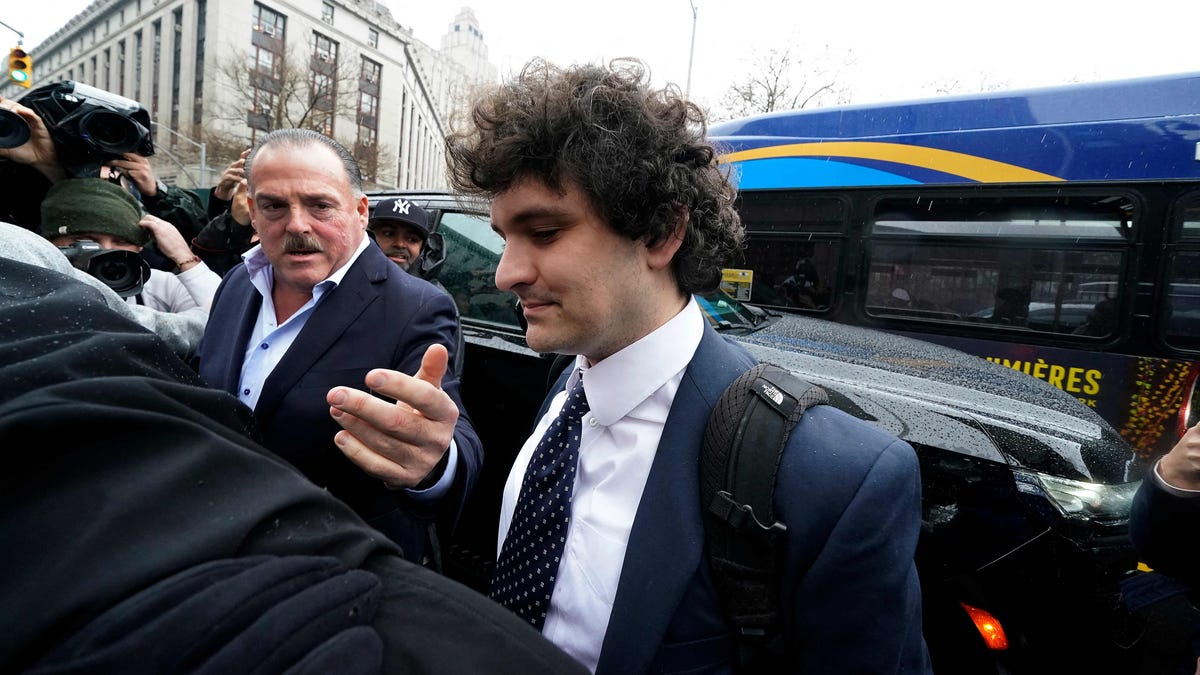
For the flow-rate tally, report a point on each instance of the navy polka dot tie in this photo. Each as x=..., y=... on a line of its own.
x=528, y=563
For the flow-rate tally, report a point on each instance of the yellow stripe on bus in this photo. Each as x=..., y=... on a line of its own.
x=946, y=161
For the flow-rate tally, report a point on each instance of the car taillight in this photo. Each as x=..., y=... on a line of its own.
x=988, y=626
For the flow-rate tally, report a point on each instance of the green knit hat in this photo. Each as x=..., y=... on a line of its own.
x=92, y=205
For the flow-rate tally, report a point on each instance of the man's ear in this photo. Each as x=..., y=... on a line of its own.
x=250, y=210
x=364, y=211
x=660, y=254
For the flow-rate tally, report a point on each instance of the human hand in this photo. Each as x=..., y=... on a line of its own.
x=38, y=152
x=1181, y=466
x=239, y=206
x=235, y=174
x=170, y=242
x=137, y=169
x=401, y=442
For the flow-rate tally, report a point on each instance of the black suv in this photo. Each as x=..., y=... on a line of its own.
x=1026, y=491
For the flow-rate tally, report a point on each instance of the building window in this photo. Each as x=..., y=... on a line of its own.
x=323, y=83
x=155, y=68
x=137, y=66
x=121, y=67
x=176, y=65
x=327, y=13
x=198, y=92
x=370, y=72
x=368, y=105
x=268, y=22
x=324, y=49
x=373, y=37
x=266, y=65
x=262, y=62
x=107, y=69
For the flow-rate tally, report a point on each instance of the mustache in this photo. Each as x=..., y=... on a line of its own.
x=293, y=243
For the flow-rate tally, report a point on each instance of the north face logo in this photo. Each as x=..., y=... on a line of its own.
x=400, y=206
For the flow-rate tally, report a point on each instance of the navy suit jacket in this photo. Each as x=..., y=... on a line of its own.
x=850, y=496
x=378, y=317
x=1165, y=529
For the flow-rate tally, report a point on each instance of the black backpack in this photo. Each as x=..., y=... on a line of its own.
x=743, y=444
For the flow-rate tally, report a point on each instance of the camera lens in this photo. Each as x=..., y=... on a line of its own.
x=13, y=130
x=110, y=132
x=122, y=271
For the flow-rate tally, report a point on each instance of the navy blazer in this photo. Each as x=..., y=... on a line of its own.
x=1165, y=529
x=850, y=495
x=378, y=317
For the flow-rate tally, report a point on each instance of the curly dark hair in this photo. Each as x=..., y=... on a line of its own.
x=639, y=154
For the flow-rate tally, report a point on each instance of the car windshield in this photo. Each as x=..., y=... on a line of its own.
x=725, y=313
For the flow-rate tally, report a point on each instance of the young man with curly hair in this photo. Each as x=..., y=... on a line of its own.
x=614, y=213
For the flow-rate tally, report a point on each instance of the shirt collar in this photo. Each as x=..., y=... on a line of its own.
x=623, y=381
x=257, y=264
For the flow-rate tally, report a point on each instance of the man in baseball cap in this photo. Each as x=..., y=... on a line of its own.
x=400, y=228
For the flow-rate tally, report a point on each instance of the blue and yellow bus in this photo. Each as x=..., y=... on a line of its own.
x=1055, y=231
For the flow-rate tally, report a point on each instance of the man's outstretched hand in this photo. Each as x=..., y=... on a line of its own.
x=400, y=443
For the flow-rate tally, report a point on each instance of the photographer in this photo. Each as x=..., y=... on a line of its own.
x=97, y=210
x=179, y=207
x=228, y=233
x=181, y=331
x=61, y=142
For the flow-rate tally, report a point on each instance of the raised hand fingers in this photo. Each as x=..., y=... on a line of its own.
x=433, y=365
x=411, y=433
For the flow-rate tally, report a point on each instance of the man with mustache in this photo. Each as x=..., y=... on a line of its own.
x=314, y=306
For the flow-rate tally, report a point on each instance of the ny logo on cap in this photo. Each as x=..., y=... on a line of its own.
x=400, y=206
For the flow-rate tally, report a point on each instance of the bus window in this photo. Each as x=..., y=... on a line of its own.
x=1182, y=311
x=793, y=247
x=1045, y=265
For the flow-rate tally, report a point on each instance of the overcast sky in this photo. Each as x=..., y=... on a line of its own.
x=900, y=49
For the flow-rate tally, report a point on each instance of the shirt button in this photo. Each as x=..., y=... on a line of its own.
x=265, y=346
x=592, y=421
x=245, y=392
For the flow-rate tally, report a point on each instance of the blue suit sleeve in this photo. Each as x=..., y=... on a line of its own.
x=1165, y=530
x=436, y=324
x=855, y=495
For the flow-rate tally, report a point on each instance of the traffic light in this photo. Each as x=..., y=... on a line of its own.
x=20, y=67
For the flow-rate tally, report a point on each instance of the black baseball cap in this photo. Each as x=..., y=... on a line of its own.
x=400, y=210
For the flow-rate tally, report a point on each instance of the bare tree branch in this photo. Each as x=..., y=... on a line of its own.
x=300, y=91
x=781, y=79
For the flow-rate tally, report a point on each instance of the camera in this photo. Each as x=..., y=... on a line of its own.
x=89, y=126
x=13, y=130
x=123, y=271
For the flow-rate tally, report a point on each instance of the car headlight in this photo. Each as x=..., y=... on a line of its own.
x=1080, y=499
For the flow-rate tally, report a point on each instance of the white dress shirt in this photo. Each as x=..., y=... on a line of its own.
x=629, y=395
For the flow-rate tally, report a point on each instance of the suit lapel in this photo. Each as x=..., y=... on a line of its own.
x=328, y=322
x=666, y=543
x=231, y=331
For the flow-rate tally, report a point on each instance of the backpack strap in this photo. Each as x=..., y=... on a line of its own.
x=743, y=444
